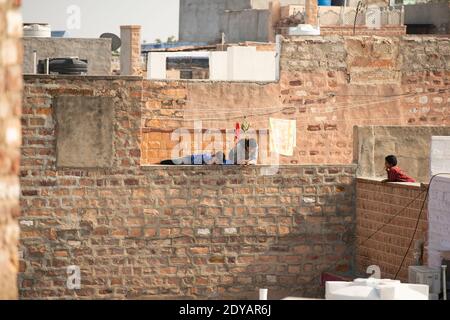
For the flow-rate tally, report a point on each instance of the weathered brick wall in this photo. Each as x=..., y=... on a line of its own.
x=384, y=31
x=10, y=109
x=376, y=205
x=151, y=232
x=328, y=84
x=330, y=30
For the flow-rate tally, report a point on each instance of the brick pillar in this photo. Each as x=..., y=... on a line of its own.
x=275, y=16
x=10, y=141
x=312, y=12
x=130, y=52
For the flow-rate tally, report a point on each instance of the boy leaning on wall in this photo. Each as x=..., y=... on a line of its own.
x=395, y=173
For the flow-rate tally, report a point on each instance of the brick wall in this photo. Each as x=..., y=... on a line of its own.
x=376, y=204
x=328, y=84
x=152, y=232
x=10, y=105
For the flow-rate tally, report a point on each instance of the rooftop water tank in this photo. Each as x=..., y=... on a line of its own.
x=375, y=289
x=37, y=30
x=304, y=30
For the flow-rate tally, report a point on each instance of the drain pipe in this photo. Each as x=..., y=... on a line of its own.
x=35, y=62
x=444, y=281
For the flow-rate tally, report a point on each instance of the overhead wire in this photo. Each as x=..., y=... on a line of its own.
x=274, y=110
x=384, y=99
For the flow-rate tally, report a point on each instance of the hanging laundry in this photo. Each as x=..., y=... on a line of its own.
x=245, y=125
x=237, y=132
x=283, y=136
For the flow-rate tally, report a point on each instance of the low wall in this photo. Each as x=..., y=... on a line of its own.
x=96, y=51
x=376, y=205
x=160, y=232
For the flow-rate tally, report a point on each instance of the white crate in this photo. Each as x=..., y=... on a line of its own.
x=426, y=275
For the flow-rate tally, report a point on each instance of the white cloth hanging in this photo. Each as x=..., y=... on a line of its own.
x=283, y=136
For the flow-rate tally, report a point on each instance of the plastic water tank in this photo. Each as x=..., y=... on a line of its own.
x=375, y=289
x=37, y=30
x=324, y=2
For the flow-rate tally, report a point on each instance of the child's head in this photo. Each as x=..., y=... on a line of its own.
x=390, y=161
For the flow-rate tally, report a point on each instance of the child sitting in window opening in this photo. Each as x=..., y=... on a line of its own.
x=395, y=174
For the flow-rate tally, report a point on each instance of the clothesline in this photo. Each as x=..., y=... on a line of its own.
x=336, y=107
x=386, y=98
x=275, y=110
x=329, y=122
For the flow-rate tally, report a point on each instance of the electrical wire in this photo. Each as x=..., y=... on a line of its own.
x=404, y=95
x=336, y=106
x=327, y=121
x=393, y=217
x=274, y=110
x=384, y=98
x=417, y=222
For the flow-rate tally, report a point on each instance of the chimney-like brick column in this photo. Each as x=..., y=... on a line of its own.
x=10, y=141
x=274, y=18
x=130, y=52
x=312, y=12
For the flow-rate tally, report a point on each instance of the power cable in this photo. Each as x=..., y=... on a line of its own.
x=393, y=217
x=274, y=110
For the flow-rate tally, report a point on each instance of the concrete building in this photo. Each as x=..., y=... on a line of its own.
x=96, y=51
x=206, y=20
x=430, y=17
x=214, y=21
x=238, y=20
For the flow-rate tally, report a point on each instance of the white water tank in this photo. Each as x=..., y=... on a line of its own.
x=375, y=289
x=304, y=30
x=426, y=275
x=37, y=30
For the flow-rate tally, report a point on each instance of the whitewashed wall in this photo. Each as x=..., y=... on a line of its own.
x=236, y=64
x=440, y=155
x=438, y=219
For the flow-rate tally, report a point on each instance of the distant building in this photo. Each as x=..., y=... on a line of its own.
x=207, y=20
x=427, y=16
x=147, y=47
x=233, y=21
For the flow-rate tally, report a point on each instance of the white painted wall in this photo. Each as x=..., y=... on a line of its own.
x=439, y=201
x=247, y=64
x=218, y=65
x=236, y=64
x=157, y=66
x=438, y=220
x=440, y=155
